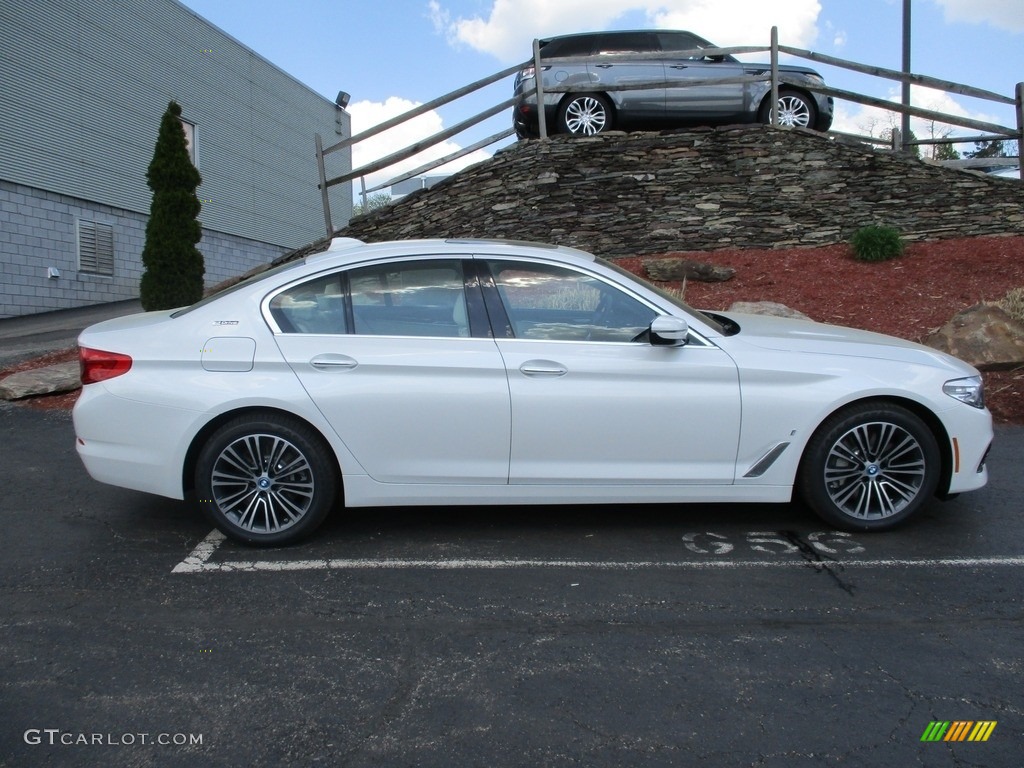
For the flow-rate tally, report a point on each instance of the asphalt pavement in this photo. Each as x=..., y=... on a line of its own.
x=730, y=635
x=28, y=336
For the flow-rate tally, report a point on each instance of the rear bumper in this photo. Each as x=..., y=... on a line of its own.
x=141, y=450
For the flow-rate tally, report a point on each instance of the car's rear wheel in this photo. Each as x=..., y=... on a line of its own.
x=795, y=110
x=586, y=114
x=266, y=480
x=870, y=467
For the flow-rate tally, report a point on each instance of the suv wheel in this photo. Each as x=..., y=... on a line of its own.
x=795, y=110
x=585, y=115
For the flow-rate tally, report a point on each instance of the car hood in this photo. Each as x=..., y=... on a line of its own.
x=759, y=69
x=807, y=336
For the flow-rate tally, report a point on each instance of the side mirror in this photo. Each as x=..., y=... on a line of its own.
x=669, y=331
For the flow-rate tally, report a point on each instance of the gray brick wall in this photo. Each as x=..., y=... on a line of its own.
x=38, y=230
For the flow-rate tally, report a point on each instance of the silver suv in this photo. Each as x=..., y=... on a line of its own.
x=620, y=58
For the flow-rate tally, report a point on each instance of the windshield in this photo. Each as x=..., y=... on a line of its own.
x=711, y=320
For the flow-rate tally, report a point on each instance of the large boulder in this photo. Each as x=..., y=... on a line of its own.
x=984, y=336
x=669, y=269
x=772, y=308
x=62, y=377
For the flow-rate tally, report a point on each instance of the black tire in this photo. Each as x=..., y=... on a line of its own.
x=266, y=480
x=869, y=467
x=795, y=110
x=585, y=114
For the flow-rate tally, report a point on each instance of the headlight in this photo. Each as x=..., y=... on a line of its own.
x=969, y=390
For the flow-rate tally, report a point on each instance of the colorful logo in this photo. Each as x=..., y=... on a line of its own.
x=958, y=730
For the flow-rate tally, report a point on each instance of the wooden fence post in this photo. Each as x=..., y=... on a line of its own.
x=1019, y=97
x=775, y=76
x=323, y=185
x=542, y=120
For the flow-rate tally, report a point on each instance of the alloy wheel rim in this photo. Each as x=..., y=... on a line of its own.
x=793, y=112
x=875, y=470
x=262, y=483
x=586, y=115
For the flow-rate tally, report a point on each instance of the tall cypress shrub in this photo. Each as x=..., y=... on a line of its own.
x=173, y=275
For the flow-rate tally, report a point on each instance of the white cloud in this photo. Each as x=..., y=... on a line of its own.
x=511, y=25
x=1004, y=14
x=838, y=35
x=366, y=114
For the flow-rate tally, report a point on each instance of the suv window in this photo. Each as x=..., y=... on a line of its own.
x=680, y=41
x=627, y=42
x=578, y=45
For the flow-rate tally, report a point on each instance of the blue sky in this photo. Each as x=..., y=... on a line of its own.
x=392, y=54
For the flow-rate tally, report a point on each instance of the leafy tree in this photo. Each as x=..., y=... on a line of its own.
x=991, y=148
x=174, y=268
x=374, y=202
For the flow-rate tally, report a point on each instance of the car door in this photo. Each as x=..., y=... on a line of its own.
x=617, y=63
x=692, y=104
x=592, y=400
x=397, y=356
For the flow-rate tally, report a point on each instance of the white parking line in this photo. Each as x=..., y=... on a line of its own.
x=199, y=562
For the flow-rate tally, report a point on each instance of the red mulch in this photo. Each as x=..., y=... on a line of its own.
x=907, y=297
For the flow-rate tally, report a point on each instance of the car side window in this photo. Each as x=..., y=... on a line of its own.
x=673, y=42
x=316, y=306
x=417, y=298
x=581, y=45
x=626, y=42
x=555, y=303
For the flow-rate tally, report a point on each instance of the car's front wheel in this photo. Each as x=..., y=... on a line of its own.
x=795, y=110
x=870, y=467
x=586, y=114
x=265, y=480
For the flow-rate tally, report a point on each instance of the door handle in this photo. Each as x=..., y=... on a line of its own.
x=542, y=368
x=603, y=66
x=333, y=362
x=678, y=66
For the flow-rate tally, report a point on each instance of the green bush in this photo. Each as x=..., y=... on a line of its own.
x=174, y=268
x=877, y=243
x=1013, y=304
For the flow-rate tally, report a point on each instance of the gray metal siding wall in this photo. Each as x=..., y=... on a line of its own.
x=84, y=83
x=38, y=230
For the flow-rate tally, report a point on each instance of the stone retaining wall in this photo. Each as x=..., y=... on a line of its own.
x=737, y=187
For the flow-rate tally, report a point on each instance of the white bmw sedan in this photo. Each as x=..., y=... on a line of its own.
x=488, y=372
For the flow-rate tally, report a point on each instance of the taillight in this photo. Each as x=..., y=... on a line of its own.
x=98, y=365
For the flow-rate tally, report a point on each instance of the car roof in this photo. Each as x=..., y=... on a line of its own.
x=344, y=250
x=621, y=32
